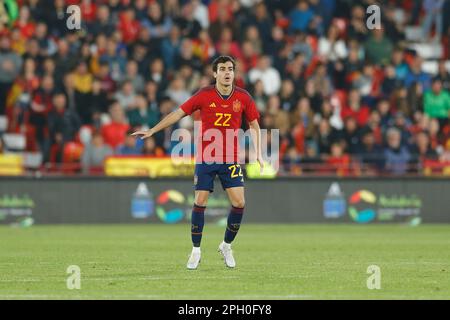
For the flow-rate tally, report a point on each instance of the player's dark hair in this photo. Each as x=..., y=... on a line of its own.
x=222, y=59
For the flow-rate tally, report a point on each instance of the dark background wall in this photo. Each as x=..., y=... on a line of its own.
x=108, y=200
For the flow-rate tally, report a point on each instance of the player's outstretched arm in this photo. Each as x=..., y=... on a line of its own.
x=167, y=121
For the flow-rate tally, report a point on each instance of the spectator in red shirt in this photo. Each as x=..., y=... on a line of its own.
x=355, y=109
x=227, y=40
x=129, y=26
x=115, y=132
x=339, y=161
x=88, y=10
x=24, y=24
x=218, y=9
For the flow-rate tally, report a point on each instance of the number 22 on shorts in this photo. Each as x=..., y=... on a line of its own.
x=233, y=169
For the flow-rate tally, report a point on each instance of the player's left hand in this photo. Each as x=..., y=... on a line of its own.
x=261, y=165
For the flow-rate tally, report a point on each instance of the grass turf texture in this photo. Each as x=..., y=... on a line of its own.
x=273, y=262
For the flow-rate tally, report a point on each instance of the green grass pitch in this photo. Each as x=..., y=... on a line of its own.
x=273, y=262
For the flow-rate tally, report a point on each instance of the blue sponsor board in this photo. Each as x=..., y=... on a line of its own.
x=334, y=208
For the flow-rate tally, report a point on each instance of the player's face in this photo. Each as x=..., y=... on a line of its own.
x=225, y=73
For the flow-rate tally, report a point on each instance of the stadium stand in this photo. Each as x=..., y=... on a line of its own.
x=347, y=100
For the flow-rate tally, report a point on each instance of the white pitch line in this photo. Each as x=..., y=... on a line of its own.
x=25, y=296
x=159, y=278
x=21, y=280
x=142, y=296
x=290, y=296
x=85, y=279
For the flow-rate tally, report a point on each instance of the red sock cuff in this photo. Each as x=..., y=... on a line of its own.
x=199, y=209
x=237, y=210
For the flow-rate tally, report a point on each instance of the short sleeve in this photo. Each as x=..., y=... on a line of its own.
x=192, y=104
x=250, y=111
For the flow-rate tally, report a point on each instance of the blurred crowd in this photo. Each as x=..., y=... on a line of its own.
x=344, y=97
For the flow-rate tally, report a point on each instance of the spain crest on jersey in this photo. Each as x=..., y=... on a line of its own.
x=236, y=105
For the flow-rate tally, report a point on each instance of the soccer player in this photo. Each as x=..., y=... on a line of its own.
x=221, y=108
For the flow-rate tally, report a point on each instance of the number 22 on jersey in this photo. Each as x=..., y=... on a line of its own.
x=223, y=119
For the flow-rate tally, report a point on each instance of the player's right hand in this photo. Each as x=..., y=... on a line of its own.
x=143, y=134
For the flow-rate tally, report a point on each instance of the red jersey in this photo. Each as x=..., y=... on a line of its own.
x=220, y=116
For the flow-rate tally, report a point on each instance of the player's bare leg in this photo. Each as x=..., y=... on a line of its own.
x=198, y=221
x=237, y=199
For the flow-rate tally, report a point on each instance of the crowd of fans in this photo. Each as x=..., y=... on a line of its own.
x=342, y=96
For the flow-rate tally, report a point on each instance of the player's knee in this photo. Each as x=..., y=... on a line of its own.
x=238, y=203
x=201, y=199
x=202, y=202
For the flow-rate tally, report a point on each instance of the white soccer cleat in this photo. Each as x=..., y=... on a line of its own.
x=227, y=254
x=194, y=259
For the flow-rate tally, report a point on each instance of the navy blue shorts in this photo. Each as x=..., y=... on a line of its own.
x=230, y=175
